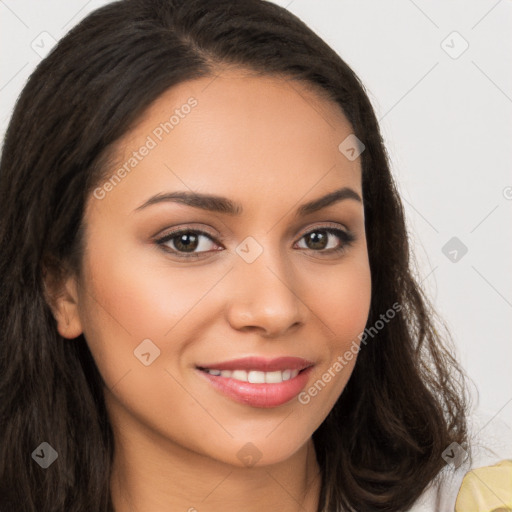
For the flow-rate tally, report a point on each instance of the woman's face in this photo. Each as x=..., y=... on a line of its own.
x=248, y=282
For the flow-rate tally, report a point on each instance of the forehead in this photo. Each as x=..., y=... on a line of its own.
x=236, y=134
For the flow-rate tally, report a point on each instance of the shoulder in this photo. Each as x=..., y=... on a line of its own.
x=479, y=481
x=486, y=489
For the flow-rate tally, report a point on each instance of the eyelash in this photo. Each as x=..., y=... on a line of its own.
x=347, y=238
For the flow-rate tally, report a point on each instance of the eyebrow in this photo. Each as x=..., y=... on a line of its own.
x=218, y=204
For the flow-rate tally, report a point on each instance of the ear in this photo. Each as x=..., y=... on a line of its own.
x=61, y=294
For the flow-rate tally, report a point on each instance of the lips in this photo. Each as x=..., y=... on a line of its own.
x=258, y=382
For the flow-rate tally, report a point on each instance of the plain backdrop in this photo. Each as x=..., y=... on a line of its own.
x=439, y=75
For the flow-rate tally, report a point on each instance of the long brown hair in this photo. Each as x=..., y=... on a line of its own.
x=405, y=402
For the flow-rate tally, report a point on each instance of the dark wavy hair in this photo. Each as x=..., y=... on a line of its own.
x=406, y=401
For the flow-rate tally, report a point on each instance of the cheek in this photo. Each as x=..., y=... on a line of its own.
x=344, y=304
x=144, y=295
x=344, y=301
x=132, y=296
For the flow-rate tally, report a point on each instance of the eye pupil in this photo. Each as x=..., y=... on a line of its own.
x=189, y=245
x=319, y=239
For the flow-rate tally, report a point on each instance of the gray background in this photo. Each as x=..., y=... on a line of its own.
x=445, y=112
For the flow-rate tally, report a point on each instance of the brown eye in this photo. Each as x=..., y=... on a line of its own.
x=192, y=243
x=318, y=240
x=185, y=242
x=324, y=240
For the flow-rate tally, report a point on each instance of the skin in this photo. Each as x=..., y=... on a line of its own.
x=270, y=145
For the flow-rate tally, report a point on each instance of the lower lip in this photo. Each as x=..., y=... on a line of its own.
x=259, y=395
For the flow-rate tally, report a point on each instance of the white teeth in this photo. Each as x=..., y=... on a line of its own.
x=273, y=377
x=287, y=374
x=239, y=375
x=254, y=376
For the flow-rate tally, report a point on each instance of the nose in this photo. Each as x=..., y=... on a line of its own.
x=263, y=298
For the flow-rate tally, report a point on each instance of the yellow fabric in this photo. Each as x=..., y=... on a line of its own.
x=487, y=489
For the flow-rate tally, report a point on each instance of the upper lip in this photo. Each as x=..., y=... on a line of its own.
x=260, y=364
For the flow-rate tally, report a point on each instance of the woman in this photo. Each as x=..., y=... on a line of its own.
x=208, y=302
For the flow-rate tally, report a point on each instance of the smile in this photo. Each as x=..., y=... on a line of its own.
x=255, y=376
x=257, y=388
